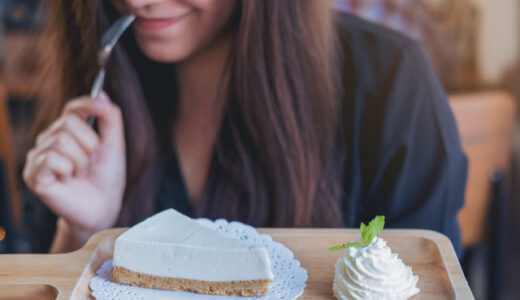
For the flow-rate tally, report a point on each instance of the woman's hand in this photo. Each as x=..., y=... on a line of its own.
x=80, y=175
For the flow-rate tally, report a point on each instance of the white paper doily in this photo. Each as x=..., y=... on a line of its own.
x=289, y=276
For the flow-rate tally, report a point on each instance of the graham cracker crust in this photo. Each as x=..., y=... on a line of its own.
x=229, y=288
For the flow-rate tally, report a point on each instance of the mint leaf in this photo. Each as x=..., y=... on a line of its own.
x=344, y=246
x=368, y=233
x=377, y=225
x=354, y=244
x=365, y=234
x=374, y=228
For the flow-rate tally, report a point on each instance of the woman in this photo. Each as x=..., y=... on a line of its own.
x=273, y=113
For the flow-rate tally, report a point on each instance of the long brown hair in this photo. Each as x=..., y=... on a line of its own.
x=276, y=159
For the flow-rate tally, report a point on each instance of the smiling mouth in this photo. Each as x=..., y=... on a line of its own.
x=157, y=23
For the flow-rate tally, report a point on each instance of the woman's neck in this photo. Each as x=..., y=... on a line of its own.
x=200, y=77
x=200, y=106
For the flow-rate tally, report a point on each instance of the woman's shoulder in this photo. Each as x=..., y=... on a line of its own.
x=391, y=91
x=374, y=52
x=361, y=34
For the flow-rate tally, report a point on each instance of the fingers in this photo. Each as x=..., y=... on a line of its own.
x=82, y=106
x=31, y=166
x=73, y=125
x=110, y=121
x=65, y=144
x=82, y=133
x=56, y=163
x=73, y=119
x=65, y=147
x=71, y=137
x=59, y=155
x=44, y=168
x=108, y=114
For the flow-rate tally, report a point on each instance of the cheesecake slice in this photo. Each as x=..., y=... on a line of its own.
x=171, y=251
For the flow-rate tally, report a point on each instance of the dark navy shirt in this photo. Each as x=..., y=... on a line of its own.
x=404, y=157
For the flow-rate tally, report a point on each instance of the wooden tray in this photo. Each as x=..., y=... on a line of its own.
x=67, y=276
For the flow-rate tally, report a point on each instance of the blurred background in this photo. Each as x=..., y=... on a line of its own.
x=474, y=46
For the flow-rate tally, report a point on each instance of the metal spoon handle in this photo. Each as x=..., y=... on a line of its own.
x=107, y=44
x=98, y=84
x=95, y=91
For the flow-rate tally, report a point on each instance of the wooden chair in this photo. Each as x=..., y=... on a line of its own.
x=8, y=158
x=486, y=123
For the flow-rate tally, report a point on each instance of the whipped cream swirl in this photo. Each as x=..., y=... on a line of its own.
x=373, y=272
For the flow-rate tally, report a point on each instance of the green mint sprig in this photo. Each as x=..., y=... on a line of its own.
x=368, y=233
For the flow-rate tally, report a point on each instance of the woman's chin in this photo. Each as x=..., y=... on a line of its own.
x=167, y=57
x=165, y=54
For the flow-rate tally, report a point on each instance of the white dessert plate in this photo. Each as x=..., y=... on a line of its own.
x=289, y=276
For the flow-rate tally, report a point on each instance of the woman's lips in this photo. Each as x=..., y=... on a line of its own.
x=156, y=24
